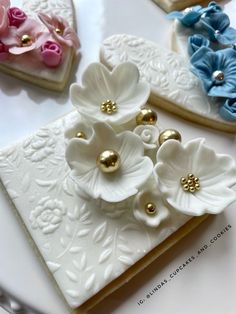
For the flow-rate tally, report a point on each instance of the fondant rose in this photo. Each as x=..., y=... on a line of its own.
x=60, y=30
x=195, y=42
x=16, y=16
x=51, y=53
x=148, y=134
x=228, y=110
x=3, y=52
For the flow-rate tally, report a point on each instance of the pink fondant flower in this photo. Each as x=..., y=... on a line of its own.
x=4, y=54
x=60, y=30
x=16, y=16
x=4, y=22
x=51, y=53
x=27, y=37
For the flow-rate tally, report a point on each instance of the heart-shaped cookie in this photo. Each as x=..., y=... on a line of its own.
x=173, y=86
x=169, y=5
x=38, y=43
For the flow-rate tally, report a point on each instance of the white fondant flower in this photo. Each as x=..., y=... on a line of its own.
x=148, y=134
x=211, y=177
x=142, y=212
x=119, y=89
x=79, y=127
x=47, y=215
x=134, y=169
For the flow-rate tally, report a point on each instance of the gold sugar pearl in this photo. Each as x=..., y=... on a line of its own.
x=26, y=40
x=109, y=107
x=108, y=161
x=58, y=31
x=146, y=116
x=150, y=208
x=169, y=134
x=80, y=135
x=190, y=183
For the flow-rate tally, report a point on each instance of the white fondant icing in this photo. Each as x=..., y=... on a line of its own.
x=89, y=243
x=58, y=7
x=167, y=72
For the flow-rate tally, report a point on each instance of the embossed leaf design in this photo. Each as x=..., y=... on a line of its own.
x=25, y=182
x=72, y=276
x=75, y=249
x=83, y=261
x=104, y=256
x=73, y=293
x=90, y=282
x=100, y=232
x=108, y=241
x=69, y=231
x=124, y=248
x=108, y=272
x=83, y=232
x=127, y=261
x=63, y=242
x=53, y=267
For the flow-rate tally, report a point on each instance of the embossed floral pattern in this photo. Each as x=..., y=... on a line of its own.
x=39, y=147
x=47, y=215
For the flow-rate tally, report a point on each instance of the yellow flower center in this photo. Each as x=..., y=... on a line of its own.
x=190, y=183
x=109, y=107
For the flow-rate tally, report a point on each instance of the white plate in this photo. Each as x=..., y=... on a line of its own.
x=24, y=108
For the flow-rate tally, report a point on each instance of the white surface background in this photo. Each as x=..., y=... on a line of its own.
x=208, y=284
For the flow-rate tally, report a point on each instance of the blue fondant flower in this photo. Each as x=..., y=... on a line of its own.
x=188, y=17
x=217, y=70
x=195, y=42
x=228, y=110
x=212, y=7
x=217, y=26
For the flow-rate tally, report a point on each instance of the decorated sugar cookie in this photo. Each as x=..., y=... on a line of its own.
x=169, y=5
x=103, y=186
x=38, y=42
x=177, y=85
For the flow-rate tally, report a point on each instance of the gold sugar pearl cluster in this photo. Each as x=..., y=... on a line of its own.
x=109, y=107
x=190, y=183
